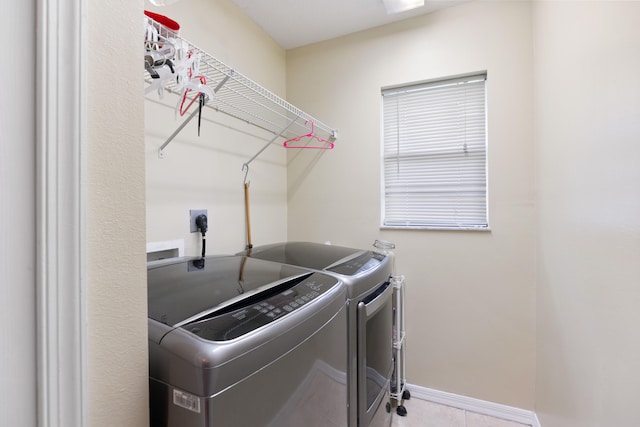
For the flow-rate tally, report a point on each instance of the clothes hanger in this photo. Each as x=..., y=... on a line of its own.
x=190, y=83
x=199, y=85
x=159, y=55
x=164, y=75
x=153, y=60
x=328, y=145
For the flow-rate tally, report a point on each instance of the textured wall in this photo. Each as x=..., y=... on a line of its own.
x=587, y=132
x=116, y=274
x=470, y=295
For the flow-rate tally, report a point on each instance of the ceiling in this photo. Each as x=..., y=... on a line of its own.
x=295, y=23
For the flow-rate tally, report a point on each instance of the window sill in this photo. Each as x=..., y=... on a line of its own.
x=433, y=228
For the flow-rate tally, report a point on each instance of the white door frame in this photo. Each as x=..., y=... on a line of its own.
x=60, y=194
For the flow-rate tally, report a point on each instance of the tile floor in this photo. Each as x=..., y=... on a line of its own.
x=421, y=413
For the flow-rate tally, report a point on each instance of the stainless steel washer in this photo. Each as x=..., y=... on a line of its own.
x=369, y=300
x=246, y=342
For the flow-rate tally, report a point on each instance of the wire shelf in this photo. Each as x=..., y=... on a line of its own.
x=233, y=93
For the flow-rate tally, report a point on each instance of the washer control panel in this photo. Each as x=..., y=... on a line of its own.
x=359, y=264
x=262, y=309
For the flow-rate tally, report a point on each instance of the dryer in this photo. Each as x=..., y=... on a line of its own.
x=366, y=275
x=246, y=342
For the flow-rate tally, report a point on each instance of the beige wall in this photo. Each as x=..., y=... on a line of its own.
x=197, y=176
x=206, y=172
x=587, y=138
x=117, y=380
x=470, y=295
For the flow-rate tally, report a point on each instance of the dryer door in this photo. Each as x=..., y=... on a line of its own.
x=375, y=360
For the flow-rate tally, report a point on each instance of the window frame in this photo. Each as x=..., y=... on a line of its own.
x=438, y=82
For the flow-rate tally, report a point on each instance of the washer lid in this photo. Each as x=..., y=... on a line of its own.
x=178, y=293
x=306, y=254
x=318, y=256
x=270, y=306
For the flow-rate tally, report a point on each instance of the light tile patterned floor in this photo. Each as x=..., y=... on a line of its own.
x=421, y=413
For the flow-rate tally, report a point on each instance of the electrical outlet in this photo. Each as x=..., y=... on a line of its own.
x=193, y=214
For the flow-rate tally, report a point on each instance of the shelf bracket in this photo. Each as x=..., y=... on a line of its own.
x=174, y=134
x=245, y=166
x=223, y=81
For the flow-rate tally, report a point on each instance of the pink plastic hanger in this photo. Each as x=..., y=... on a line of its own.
x=328, y=144
x=196, y=83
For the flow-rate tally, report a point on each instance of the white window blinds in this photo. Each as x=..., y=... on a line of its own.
x=435, y=155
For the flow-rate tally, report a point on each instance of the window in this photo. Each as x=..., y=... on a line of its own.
x=435, y=155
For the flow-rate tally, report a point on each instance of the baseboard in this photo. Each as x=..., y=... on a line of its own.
x=536, y=422
x=484, y=407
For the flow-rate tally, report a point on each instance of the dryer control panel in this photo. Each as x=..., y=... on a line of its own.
x=359, y=264
x=262, y=309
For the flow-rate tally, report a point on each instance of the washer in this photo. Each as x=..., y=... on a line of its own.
x=245, y=342
x=369, y=318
